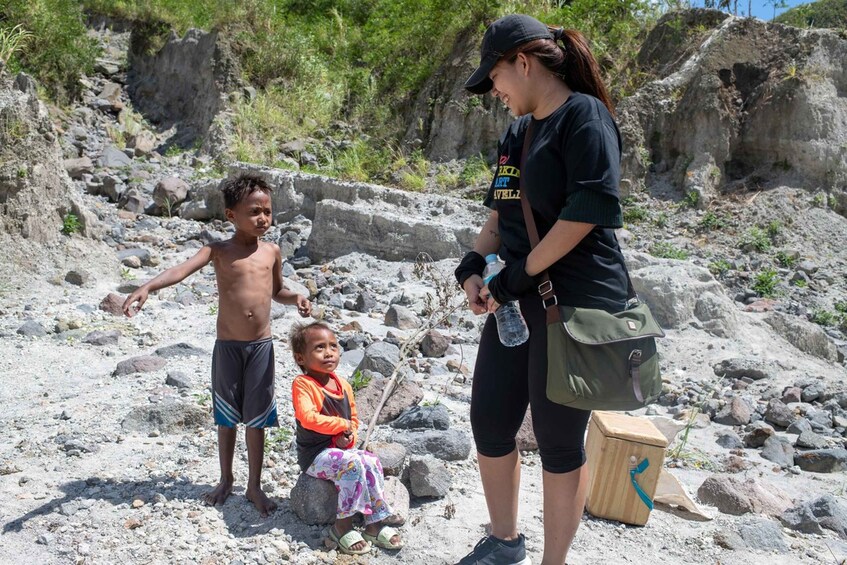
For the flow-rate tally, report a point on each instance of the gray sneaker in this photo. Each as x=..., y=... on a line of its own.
x=494, y=551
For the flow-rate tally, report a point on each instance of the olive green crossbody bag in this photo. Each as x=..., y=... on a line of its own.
x=596, y=360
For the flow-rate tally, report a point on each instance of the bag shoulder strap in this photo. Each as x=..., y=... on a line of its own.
x=545, y=289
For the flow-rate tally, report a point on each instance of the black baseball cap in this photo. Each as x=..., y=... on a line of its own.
x=502, y=36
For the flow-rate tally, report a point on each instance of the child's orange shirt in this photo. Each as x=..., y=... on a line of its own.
x=321, y=415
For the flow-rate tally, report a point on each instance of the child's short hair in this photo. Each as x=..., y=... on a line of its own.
x=297, y=336
x=239, y=187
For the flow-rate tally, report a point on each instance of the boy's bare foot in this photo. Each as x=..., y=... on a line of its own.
x=219, y=494
x=261, y=501
x=358, y=546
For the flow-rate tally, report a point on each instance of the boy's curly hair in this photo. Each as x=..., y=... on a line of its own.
x=297, y=336
x=239, y=187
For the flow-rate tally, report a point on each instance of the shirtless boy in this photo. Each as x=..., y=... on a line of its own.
x=249, y=276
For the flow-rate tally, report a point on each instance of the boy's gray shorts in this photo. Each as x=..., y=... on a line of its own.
x=243, y=383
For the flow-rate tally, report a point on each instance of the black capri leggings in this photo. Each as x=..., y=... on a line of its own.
x=505, y=380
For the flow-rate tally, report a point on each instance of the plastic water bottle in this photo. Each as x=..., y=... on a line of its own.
x=511, y=326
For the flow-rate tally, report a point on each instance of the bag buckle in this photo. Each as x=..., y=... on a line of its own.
x=553, y=301
x=545, y=287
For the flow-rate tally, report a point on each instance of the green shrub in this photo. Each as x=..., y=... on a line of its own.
x=359, y=381
x=841, y=306
x=785, y=260
x=824, y=317
x=661, y=220
x=70, y=224
x=720, y=267
x=712, y=221
x=756, y=238
x=667, y=250
x=765, y=283
x=58, y=50
x=635, y=214
x=773, y=229
x=476, y=171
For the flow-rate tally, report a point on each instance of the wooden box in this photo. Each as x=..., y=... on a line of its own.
x=617, y=443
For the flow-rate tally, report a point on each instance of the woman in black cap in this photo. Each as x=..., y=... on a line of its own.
x=570, y=175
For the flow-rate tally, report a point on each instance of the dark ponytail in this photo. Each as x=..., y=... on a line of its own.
x=570, y=58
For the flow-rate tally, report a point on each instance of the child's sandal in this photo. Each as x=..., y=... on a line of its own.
x=383, y=538
x=347, y=541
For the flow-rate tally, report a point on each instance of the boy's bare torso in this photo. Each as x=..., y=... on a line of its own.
x=245, y=277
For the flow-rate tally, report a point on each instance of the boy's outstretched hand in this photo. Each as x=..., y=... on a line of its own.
x=139, y=295
x=304, y=307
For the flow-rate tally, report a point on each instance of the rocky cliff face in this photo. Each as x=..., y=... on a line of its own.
x=34, y=189
x=739, y=102
x=451, y=123
x=184, y=84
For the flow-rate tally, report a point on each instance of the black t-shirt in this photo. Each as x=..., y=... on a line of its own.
x=572, y=173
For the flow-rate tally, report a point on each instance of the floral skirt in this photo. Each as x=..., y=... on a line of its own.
x=357, y=475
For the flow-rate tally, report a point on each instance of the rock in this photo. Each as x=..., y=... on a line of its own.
x=740, y=367
x=407, y=394
x=392, y=456
x=805, y=336
x=144, y=142
x=133, y=200
x=799, y=426
x=791, y=394
x=397, y=497
x=140, y=364
x=779, y=451
x=108, y=337
x=813, y=391
x=178, y=379
x=448, y=445
x=679, y=292
x=763, y=535
x=166, y=417
x=757, y=434
x=314, y=501
x=143, y=255
x=736, y=413
x=112, y=188
x=822, y=460
x=401, y=318
x=525, y=439
x=434, y=344
x=180, y=350
x=365, y=302
x=31, y=328
x=170, y=192
x=113, y=304
x=811, y=440
x=730, y=441
x=733, y=496
x=113, y=158
x=779, y=414
x=812, y=517
x=428, y=477
x=430, y=417
x=111, y=94
x=77, y=277
x=132, y=262
x=380, y=357
x=76, y=168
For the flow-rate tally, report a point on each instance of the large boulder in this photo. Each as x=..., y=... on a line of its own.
x=352, y=217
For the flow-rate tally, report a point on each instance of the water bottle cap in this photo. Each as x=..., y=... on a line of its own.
x=491, y=258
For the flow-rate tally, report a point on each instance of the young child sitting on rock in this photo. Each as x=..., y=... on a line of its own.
x=326, y=442
x=249, y=276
